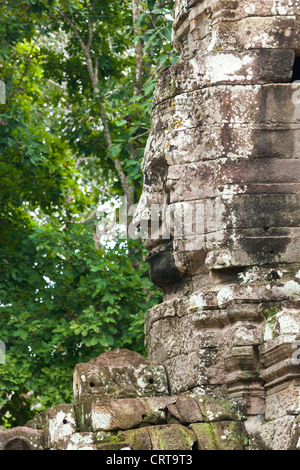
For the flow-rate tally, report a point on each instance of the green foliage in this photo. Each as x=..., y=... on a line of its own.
x=114, y=61
x=271, y=312
x=63, y=300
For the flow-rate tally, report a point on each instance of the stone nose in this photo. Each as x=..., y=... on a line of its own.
x=151, y=218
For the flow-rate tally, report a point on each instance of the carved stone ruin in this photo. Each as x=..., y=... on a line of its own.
x=222, y=162
x=222, y=165
x=122, y=402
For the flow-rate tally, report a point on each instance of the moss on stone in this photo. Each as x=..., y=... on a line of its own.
x=271, y=312
x=226, y=435
x=205, y=436
x=115, y=438
x=220, y=410
x=102, y=437
x=112, y=446
x=138, y=439
x=171, y=437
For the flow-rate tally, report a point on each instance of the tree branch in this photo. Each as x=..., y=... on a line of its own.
x=91, y=26
x=86, y=48
x=128, y=190
x=156, y=71
x=138, y=48
x=74, y=29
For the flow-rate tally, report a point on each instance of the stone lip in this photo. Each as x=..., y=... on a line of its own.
x=58, y=423
x=163, y=270
x=120, y=374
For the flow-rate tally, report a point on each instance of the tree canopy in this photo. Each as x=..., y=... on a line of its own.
x=79, y=77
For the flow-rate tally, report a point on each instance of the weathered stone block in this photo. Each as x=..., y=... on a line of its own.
x=163, y=340
x=260, y=433
x=119, y=373
x=195, y=337
x=113, y=446
x=232, y=105
x=193, y=182
x=58, y=423
x=108, y=414
x=243, y=334
x=156, y=409
x=278, y=364
x=171, y=437
x=201, y=31
x=250, y=33
x=76, y=441
x=280, y=434
x=221, y=410
x=241, y=363
x=285, y=321
x=223, y=435
x=123, y=440
x=137, y=439
x=229, y=10
x=252, y=393
x=205, y=436
x=22, y=438
x=234, y=67
x=241, y=140
x=165, y=437
x=199, y=368
x=165, y=310
x=186, y=410
x=283, y=399
x=286, y=433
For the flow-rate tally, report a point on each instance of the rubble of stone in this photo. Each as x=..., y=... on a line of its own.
x=104, y=421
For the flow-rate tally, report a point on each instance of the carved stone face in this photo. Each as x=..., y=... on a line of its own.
x=224, y=151
x=222, y=158
x=214, y=165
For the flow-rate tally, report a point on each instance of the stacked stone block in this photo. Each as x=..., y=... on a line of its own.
x=116, y=414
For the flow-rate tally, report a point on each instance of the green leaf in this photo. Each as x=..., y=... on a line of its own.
x=121, y=123
x=115, y=150
x=151, y=4
x=149, y=88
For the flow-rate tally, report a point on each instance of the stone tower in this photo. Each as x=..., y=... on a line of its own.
x=222, y=168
